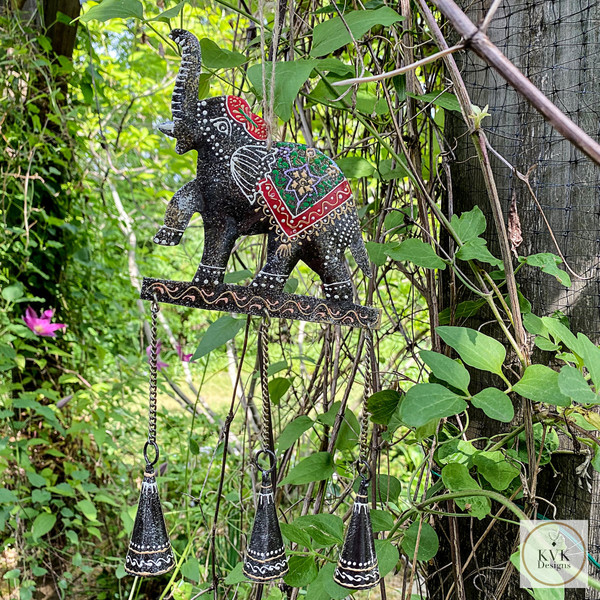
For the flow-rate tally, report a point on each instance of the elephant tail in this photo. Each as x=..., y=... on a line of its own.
x=357, y=247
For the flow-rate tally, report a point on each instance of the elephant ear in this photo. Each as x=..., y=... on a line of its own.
x=250, y=164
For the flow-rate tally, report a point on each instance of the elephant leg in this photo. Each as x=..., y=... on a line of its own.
x=280, y=263
x=219, y=239
x=180, y=209
x=337, y=284
x=326, y=258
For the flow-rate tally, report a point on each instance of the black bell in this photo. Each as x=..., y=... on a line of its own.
x=357, y=567
x=150, y=550
x=265, y=558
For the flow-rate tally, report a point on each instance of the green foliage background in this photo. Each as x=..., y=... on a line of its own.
x=85, y=180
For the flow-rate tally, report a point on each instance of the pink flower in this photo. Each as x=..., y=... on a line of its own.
x=42, y=325
x=183, y=357
x=160, y=365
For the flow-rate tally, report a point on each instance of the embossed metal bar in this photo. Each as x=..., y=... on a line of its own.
x=239, y=299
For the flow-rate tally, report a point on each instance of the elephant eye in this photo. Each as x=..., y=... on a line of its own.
x=222, y=125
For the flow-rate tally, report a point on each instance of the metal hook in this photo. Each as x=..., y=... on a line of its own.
x=364, y=467
x=273, y=461
x=154, y=445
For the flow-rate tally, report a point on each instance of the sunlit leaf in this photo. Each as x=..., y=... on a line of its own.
x=114, y=9
x=332, y=34
x=218, y=333
x=315, y=467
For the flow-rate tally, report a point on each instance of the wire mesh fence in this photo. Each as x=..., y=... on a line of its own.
x=557, y=45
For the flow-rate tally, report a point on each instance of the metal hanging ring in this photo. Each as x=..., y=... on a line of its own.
x=272, y=458
x=364, y=470
x=154, y=445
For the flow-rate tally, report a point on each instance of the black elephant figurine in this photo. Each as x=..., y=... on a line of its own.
x=294, y=194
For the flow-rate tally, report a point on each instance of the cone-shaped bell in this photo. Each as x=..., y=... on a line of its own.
x=357, y=567
x=150, y=550
x=265, y=558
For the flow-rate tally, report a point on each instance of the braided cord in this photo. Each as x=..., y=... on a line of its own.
x=367, y=391
x=153, y=360
x=263, y=342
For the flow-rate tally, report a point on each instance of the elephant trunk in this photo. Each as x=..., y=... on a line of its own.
x=185, y=94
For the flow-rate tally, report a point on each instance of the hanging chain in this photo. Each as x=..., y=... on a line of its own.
x=367, y=391
x=264, y=383
x=152, y=392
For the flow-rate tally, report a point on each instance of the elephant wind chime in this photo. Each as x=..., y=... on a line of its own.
x=300, y=199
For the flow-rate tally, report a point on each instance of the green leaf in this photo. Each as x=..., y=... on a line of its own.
x=428, y=542
x=278, y=386
x=463, y=310
x=194, y=447
x=349, y=429
x=378, y=252
x=12, y=574
x=382, y=405
x=495, y=404
x=427, y=401
x=393, y=169
x=171, y=13
x=396, y=220
x=442, y=99
x=13, y=292
x=88, y=509
x=446, y=369
x=477, y=250
x=561, y=333
x=548, y=263
x=277, y=367
x=329, y=588
x=417, y=252
x=7, y=497
x=292, y=432
x=457, y=479
x=540, y=384
x=534, y=324
x=388, y=488
x=387, y=556
x=218, y=333
x=315, y=467
x=325, y=529
x=236, y=575
x=237, y=276
x=303, y=570
x=289, y=78
x=328, y=418
x=114, y=9
x=476, y=349
x=295, y=534
x=191, y=569
x=495, y=467
x=546, y=345
x=355, y=167
x=333, y=33
x=42, y=525
x=381, y=520
x=470, y=225
x=573, y=384
x=35, y=479
x=591, y=358
x=214, y=57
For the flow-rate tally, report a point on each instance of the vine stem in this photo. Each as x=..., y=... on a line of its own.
x=511, y=284
x=225, y=437
x=591, y=581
